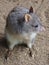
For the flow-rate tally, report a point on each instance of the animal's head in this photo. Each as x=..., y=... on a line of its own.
x=32, y=22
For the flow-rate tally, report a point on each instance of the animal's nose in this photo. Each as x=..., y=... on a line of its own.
x=43, y=29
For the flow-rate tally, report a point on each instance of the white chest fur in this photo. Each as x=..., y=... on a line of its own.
x=32, y=36
x=15, y=39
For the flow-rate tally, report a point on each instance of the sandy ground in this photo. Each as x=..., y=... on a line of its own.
x=20, y=54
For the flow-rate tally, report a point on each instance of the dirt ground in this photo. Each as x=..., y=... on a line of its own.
x=20, y=54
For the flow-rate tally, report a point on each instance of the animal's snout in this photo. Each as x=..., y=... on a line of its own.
x=42, y=29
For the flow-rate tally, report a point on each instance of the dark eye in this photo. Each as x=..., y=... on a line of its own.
x=36, y=25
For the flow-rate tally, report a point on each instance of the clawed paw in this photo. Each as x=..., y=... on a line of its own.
x=8, y=53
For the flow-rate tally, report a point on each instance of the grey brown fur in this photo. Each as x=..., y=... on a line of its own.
x=20, y=29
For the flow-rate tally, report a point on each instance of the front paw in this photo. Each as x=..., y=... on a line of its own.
x=8, y=53
x=31, y=53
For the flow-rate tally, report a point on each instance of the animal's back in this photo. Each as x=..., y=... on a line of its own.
x=19, y=11
x=16, y=15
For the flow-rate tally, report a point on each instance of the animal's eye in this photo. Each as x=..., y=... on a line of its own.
x=36, y=25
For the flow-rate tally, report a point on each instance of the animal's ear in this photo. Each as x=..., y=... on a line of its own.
x=27, y=17
x=31, y=10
